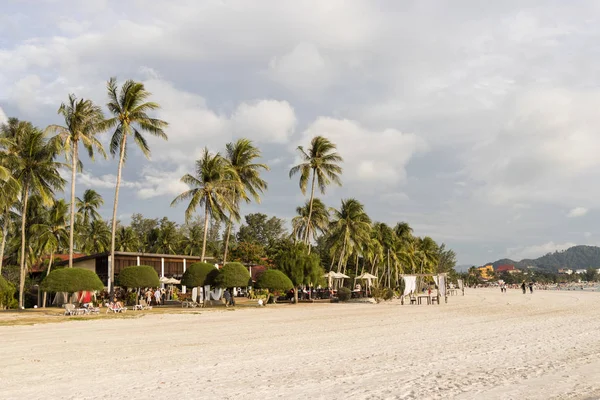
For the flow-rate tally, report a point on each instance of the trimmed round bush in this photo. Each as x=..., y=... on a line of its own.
x=138, y=276
x=344, y=294
x=71, y=280
x=232, y=275
x=274, y=280
x=199, y=274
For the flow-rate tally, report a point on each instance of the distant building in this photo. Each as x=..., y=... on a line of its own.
x=580, y=271
x=565, y=271
x=507, y=268
x=487, y=271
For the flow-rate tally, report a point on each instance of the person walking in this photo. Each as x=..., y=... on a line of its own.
x=523, y=287
x=227, y=296
x=531, y=287
x=157, y=296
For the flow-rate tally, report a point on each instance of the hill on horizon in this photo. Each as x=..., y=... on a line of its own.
x=576, y=257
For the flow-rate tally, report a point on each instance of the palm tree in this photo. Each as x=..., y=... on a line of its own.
x=37, y=172
x=130, y=118
x=319, y=221
x=386, y=239
x=241, y=156
x=96, y=238
x=83, y=121
x=87, y=207
x=126, y=239
x=351, y=227
x=321, y=160
x=51, y=235
x=9, y=186
x=212, y=187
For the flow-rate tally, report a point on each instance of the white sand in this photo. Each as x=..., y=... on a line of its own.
x=486, y=345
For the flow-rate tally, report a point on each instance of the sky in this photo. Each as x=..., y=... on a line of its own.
x=475, y=122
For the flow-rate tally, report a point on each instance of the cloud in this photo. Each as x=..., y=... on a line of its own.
x=370, y=157
x=577, y=212
x=535, y=251
x=264, y=121
x=3, y=117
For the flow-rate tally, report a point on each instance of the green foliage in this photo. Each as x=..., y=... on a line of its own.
x=344, y=294
x=249, y=253
x=299, y=266
x=71, y=280
x=233, y=275
x=7, y=294
x=591, y=275
x=199, y=274
x=261, y=230
x=274, y=280
x=139, y=276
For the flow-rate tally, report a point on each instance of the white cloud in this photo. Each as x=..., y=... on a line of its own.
x=264, y=120
x=3, y=117
x=370, y=157
x=577, y=212
x=520, y=253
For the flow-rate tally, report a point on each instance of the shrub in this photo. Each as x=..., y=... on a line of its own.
x=7, y=294
x=232, y=275
x=71, y=280
x=199, y=274
x=344, y=294
x=274, y=280
x=139, y=276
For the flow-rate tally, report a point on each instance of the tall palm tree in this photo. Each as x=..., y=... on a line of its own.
x=321, y=160
x=37, y=172
x=213, y=188
x=87, y=207
x=241, y=156
x=350, y=226
x=319, y=221
x=51, y=234
x=9, y=186
x=96, y=238
x=386, y=238
x=83, y=121
x=126, y=240
x=130, y=118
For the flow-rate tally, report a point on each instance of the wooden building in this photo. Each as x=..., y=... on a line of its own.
x=167, y=265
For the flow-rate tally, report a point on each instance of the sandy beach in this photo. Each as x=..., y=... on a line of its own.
x=485, y=345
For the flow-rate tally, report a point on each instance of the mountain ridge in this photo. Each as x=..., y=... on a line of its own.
x=576, y=257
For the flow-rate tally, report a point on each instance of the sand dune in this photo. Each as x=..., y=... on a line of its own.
x=486, y=345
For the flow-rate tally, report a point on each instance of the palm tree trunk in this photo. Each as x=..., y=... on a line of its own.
x=228, y=231
x=22, y=271
x=312, y=196
x=72, y=222
x=341, y=256
x=111, y=272
x=48, y=273
x=4, y=233
x=205, y=231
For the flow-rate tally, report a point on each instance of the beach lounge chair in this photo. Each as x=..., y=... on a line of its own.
x=115, y=309
x=145, y=305
x=70, y=309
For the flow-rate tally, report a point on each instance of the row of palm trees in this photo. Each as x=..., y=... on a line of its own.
x=29, y=177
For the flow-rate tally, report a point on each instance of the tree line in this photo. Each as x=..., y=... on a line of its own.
x=36, y=224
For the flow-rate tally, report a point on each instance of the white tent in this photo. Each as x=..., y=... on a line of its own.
x=330, y=277
x=173, y=281
x=368, y=277
x=164, y=279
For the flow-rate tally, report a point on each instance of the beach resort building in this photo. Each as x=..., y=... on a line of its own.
x=167, y=265
x=487, y=271
x=507, y=268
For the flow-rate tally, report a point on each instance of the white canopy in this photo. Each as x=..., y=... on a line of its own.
x=330, y=274
x=339, y=275
x=173, y=281
x=366, y=275
x=164, y=279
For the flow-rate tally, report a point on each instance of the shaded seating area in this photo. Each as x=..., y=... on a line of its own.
x=414, y=291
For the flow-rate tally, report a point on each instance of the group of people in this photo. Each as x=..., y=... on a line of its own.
x=524, y=287
x=155, y=297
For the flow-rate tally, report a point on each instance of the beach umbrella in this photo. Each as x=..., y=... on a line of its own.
x=164, y=279
x=173, y=281
x=330, y=276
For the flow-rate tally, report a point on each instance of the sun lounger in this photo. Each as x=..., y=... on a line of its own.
x=70, y=309
x=115, y=309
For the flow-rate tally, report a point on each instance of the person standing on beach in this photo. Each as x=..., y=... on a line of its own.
x=157, y=296
x=523, y=287
x=531, y=287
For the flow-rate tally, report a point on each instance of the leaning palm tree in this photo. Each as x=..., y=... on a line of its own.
x=241, y=156
x=83, y=121
x=51, y=234
x=321, y=160
x=318, y=222
x=87, y=207
x=351, y=227
x=130, y=118
x=213, y=188
x=37, y=172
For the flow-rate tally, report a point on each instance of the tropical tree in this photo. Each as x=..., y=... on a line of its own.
x=241, y=156
x=37, y=172
x=126, y=239
x=350, y=227
x=51, y=235
x=317, y=222
x=83, y=121
x=321, y=161
x=212, y=188
x=95, y=238
x=386, y=239
x=88, y=205
x=129, y=108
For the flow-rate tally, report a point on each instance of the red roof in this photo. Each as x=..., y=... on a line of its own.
x=57, y=257
x=505, y=268
x=256, y=271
